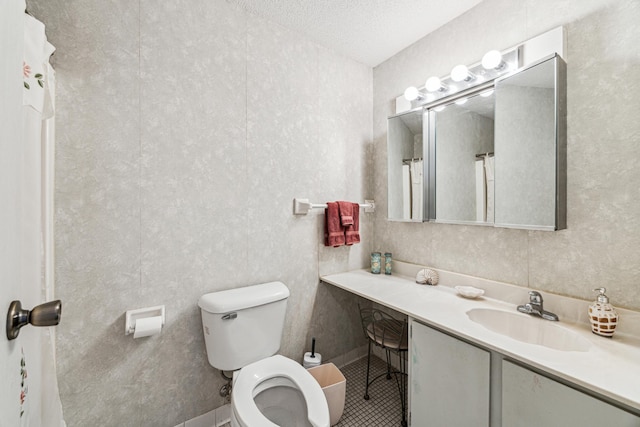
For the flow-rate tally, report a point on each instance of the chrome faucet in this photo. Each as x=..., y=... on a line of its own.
x=534, y=306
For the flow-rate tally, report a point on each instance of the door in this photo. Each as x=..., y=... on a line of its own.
x=449, y=380
x=11, y=46
x=26, y=363
x=529, y=399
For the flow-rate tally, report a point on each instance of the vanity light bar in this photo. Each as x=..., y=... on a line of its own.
x=494, y=64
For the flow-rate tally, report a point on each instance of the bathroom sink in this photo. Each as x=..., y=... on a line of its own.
x=529, y=329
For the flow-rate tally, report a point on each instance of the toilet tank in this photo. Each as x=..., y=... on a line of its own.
x=243, y=325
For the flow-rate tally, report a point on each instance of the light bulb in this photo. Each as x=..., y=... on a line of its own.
x=412, y=93
x=434, y=84
x=461, y=73
x=461, y=101
x=493, y=60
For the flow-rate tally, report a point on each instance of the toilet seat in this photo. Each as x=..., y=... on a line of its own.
x=247, y=386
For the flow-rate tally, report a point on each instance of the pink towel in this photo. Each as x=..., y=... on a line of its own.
x=346, y=213
x=334, y=233
x=352, y=232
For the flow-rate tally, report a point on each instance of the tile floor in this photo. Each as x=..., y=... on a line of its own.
x=383, y=407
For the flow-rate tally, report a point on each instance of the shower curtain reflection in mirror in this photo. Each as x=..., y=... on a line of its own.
x=405, y=167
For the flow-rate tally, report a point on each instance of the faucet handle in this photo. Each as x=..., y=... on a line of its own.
x=535, y=297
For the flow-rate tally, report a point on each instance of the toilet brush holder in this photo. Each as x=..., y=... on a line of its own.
x=311, y=358
x=309, y=361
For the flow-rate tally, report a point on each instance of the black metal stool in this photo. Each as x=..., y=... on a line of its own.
x=391, y=334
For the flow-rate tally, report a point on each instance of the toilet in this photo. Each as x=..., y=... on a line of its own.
x=242, y=333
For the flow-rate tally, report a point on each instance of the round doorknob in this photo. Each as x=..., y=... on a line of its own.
x=47, y=314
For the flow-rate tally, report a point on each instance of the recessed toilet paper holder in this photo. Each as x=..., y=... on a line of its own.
x=47, y=314
x=132, y=315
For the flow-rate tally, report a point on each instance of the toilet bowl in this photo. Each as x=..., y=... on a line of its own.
x=277, y=392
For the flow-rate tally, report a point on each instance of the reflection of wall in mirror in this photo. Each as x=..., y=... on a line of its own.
x=460, y=135
x=417, y=146
x=525, y=147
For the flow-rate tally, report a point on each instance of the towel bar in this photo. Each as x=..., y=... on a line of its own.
x=303, y=206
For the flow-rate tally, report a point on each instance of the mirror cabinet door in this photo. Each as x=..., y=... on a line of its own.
x=405, y=167
x=464, y=135
x=530, y=143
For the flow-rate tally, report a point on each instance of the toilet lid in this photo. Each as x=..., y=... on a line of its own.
x=252, y=375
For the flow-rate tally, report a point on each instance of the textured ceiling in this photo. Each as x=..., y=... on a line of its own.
x=368, y=31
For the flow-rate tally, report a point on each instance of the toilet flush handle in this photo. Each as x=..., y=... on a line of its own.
x=230, y=316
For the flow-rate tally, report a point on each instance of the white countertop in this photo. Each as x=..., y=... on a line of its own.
x=611, y=367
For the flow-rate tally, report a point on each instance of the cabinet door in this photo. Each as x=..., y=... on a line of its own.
x=530, y=399
x=449, y=380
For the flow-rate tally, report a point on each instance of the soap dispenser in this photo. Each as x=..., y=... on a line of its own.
x=602, y=315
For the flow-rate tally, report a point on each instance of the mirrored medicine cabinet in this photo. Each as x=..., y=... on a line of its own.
x=494, y=155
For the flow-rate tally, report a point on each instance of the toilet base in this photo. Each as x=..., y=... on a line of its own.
x=234, y=421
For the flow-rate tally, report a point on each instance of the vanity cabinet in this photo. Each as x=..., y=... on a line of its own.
x=454, y=383
x=465, y=372
x=449, y=380
x=529, y=398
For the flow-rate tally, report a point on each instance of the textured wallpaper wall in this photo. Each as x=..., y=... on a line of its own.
x=185, y=129
x=601, y=245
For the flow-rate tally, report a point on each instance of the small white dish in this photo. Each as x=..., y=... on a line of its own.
x=469, y=291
